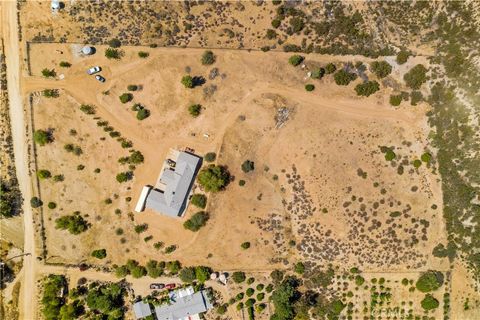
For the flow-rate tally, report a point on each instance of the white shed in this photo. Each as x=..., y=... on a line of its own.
x=87, y=50
x=142, y=199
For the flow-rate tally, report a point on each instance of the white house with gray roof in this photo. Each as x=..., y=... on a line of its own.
x=185, y=304
x=170, y=194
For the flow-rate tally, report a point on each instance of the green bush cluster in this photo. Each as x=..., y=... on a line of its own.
x=195, y=110
x=367, y=88
x=343, y=78
x=416, y=77
x=208, y=58
x=210, y=156
x=214, y=178
x=381, y=68
x=199, y=200
x=197, y=221
x=75, y=224
x=295, y=60
x=99, y=253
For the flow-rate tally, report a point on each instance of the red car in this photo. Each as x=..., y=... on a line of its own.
x=170, y=286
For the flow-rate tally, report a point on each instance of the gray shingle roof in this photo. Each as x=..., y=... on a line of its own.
x=183, y=307
x=178, y=183
x=141, y=310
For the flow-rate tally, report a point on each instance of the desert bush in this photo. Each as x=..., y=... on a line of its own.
x=99, y=254
x=187, y=275
x=199, y=200
x=114, y=43
x=381, y=68
x=248, y=166
x=50, y=93
x=367, y=88
x=170, y=249
x=143, y=54
x=416, y=77
x=297, y=24
x=238, y=276
x=65, y=64
x=299, y=268
x=80, y=167
x=245, y=245
x=115, y=54
x=309, y=87
x=330, y=68
x=132, y=87
x=214, y=178
x=154, y=269
x=402, y=57
x=48, y=73
x=395, y=100
x=318, y=73
x=415, y=97
x=271, y=34
x=210, y=156
x=43, y=174
x=195, y=110
x=197, y=221
x=124, y=176
x=42, y=137
x=241, y=183
x=126, y=144
x=295, y=60
x=359, y=280
x=74, y=223
x=126, y=97
x=417, y=163
x=249, y=292
x=208, y=58
x=139, y=228
x=343, y=78
x=187, y=81
x=276, y=23
x=143, y=114
x=222, y=309
x=35, y=202
x=426, y=157
x=52, y=205
x=88, y=109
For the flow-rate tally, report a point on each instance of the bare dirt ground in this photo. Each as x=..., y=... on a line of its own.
x=317, y=155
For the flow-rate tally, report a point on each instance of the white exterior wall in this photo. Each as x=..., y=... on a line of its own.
x=142, y=199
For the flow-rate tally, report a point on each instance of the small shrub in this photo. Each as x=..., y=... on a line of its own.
x=299, y=268
x=35, y=202
x=48, y=73
x=429, y=302
x=52, y=205
x=114, y=43
x=124, y=176
x=250, y=292
x=50, y=93
x=132, y=87
x=271, y=34
x=429, y=281
x=187, y=81
x=141, y=228
x=43, y=174
x=417, y=163
x=195, y=110
x=214, y=178
x=276, y=23
x=415, y=97
x=143, y=114
x=126, y=97
x=199, y=200
x=197, y=221
x=343, y=78
x=381, y=68
x=210, y=156
x=295, y=60
x=426, y=157
x=74, y=223
x=65, y=64
x=115, y=54
x=241, y=183
x=367, y=88
x=395, y=100
x=170, y=249
x=58, y=178
x=330, y=68
x=208, y=58
x=88, y=109
x=42, y=137
x=318, y=73
x=99, y=254
x=390, y=155
x=248, y=166
x=402, y=57
x=143, y=54
x=416, y=77
x=238, y=276
x=245, y=245
x=309, y=87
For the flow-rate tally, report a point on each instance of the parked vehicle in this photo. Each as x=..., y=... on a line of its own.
x=100, y=78
x=170, y=286
x=158, y=286
x=94, y=70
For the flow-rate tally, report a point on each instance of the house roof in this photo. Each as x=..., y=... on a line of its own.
x=178, y=183
x=141, y=310
x=183, y=306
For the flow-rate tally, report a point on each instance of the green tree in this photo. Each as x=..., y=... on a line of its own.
x=48, y=73
x=238, y=276
x=381, y=68
x=195, y=110
x=187, y=81
x=330, y=68
x=416, y=77
x=114, y=43
x=88, y=109
x=132, y=87
x=208, y=58
x=154, y=269
x=429, y=302
x=295, y=60
x=309, y=87
x=402, y=57
x=343, y=78
x=75, y=224
x=317, y=73
x=99, y=253
x=72, y=311
x=199, y=200
x=143, y=114
x=214, y=178
x=299, y=268
x=202, y=273
x=112, y=53
x=245, y=245
x=367, y=88
x=35, y=202
x=197, y=221
x=187, y=275
x=124, y=176
x=42, y=137
x=429, y=281
x=277, y=276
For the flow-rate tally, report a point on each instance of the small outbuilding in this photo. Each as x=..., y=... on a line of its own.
x=55, y=5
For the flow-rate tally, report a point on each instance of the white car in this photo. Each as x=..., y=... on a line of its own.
x=100, y=78
x=94, y=70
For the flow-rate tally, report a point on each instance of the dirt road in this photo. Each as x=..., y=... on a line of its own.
x=20, y=146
